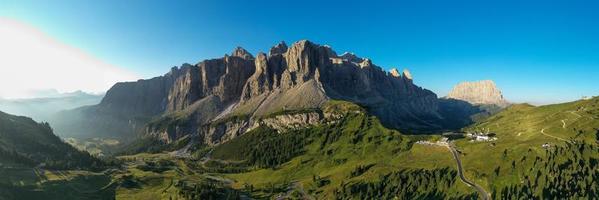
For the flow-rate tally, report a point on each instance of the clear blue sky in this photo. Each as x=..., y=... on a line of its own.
x=536, y=51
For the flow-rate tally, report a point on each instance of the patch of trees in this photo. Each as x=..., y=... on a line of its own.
x=207, y=189
x=567, y=172
x=359, y=170
x=13, y=157
x=404, y=184
x=157, y=166
x=214, y=166
x=129, y=181
x=361, y=129
x=148, y=145
x=28, y=144
x=264, y=147
x=320, y=181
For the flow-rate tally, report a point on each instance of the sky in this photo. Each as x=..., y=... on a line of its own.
x=536, y=51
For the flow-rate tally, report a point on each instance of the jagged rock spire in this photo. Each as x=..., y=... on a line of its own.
x=280, y=48
x=351, y=57
x=394, y=72
x=242, y=53
x=407, y=74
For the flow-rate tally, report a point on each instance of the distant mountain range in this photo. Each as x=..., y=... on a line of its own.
x=44, y=108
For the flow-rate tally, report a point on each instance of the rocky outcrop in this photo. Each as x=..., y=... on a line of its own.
x=229, y=128
x=393, y=72
x=223, y=77
x=292, y=121
x=479, y=92
x=242, y=53
x=280, y=48
x=142, y=97
x=222, y=131
x=351, y=57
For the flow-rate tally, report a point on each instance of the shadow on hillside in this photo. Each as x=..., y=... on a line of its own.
x=458, y=114
x=454, y=115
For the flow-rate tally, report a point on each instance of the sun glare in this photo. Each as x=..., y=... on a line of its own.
x=33, y=61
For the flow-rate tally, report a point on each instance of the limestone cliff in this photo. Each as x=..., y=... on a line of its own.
x=478, y=92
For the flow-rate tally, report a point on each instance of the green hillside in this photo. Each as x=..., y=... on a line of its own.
x=354, y=158
x=518, y=165
x=36, y=164
x=26, y=143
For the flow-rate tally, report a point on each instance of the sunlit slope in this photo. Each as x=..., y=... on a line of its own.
x=538, y=149
x=577, y=120
x=354, y=158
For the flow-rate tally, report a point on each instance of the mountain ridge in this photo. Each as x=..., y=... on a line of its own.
x=244, y=87
x=305, y=75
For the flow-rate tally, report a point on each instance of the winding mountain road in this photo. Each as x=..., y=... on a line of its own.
x=480, y=190
x=559, y=138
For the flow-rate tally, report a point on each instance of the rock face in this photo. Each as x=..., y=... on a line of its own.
x=123, y=111
x=240, y=89
x=479, y=92
x=286, y=122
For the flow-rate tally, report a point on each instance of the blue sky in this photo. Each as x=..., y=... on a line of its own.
x=536, y=51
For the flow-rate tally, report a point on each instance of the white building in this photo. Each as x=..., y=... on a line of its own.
x=482, y=138
x=546, y=145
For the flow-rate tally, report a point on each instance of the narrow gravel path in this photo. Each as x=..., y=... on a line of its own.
x=559, y=138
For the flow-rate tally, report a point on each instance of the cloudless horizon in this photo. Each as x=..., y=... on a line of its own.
x=536, y=51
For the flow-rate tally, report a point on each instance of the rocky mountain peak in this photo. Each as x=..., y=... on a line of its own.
x=242, y=53
x=280, y=48
x=351, y=57
x=395, y=73
x=407, y=74
x=365, y=63
x=478, y=92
